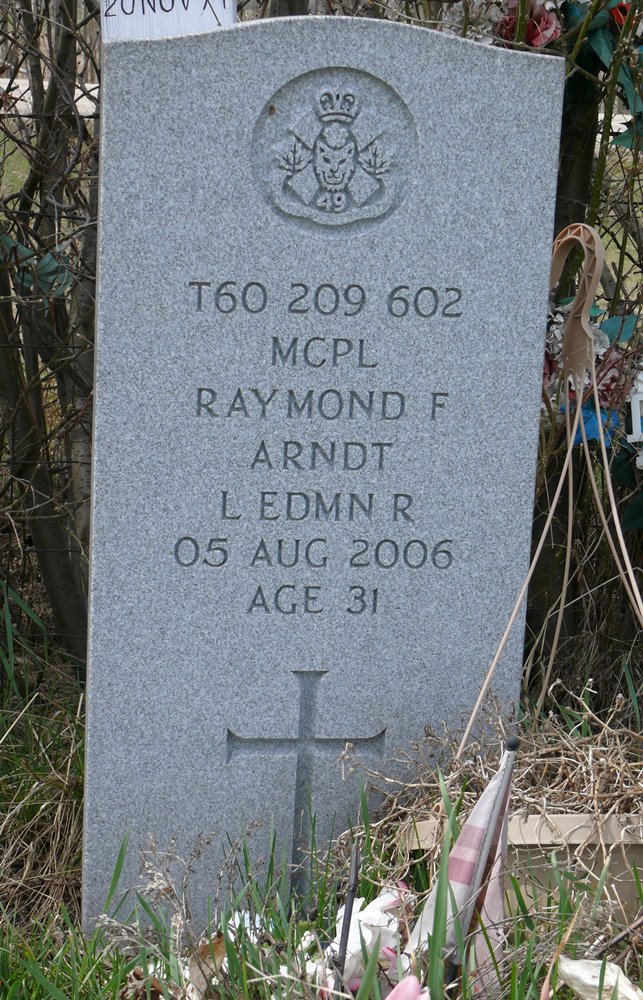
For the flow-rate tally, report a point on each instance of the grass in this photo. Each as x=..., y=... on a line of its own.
x=55, y=961
x=14, y=167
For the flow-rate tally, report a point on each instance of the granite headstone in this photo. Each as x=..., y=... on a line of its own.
x=324, y=251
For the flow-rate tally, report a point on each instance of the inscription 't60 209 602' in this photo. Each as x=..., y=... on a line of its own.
x=326, y=299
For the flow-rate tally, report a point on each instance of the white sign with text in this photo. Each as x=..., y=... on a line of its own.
x=164, y=18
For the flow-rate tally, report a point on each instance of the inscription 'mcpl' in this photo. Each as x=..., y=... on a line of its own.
x=335, y=148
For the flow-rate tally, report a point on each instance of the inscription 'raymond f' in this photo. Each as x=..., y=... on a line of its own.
x=335, y=148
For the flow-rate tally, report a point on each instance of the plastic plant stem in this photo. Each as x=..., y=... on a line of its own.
x=638, y=600
x=521, y=24
x=521, y=596
x=568, y=559
x=578, y=358
x=601, y=514
x=578, y=346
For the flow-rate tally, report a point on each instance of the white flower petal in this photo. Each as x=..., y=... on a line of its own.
x=583, y=976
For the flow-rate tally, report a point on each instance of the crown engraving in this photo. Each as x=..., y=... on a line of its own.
x=338, y=106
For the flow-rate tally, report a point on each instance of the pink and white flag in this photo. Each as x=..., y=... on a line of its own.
x=475, y=870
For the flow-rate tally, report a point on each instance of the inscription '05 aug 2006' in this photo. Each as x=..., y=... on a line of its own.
x=335, y=148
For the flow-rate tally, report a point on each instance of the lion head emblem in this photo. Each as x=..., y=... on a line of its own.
x=334, y=158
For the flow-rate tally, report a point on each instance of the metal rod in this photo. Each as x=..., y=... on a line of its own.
x=351, y=893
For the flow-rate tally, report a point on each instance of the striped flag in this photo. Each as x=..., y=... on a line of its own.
x=475, y=872
x=489, y=943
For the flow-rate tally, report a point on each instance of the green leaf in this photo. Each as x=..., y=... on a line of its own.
x=633, y=130
x=637, y=880
x=631, y=687
x=633, y=514
x=575, y=13
x=12, y=250
x=234, y=965
x=624, y=139
x=602, y=42
x=453, y=827
x=437, y=939
x=14, y=253
x=522, y=905
x=370, y=973
x=601, y=979
x=632, y=96
x=623, y=466
x=52, y=991
x=52, y=275
x=118, y=868
x=10, y=665
x=598, y=892
x=619, y=328
x=156, y=919
x=16, y=598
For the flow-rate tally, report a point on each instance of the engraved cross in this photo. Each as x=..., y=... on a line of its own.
x=305, y=746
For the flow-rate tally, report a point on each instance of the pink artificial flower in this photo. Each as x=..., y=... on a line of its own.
x=613, y=380
x=377, y=925
x=543, y=25
x=407, y=989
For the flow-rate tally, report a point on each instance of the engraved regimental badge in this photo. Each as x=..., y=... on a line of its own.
x=335, y=148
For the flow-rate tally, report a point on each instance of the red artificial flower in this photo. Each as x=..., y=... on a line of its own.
x=543, y=25
x=551, y=369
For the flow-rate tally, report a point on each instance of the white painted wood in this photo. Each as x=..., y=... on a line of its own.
x=636, y=437
x=582, y=839
x=552, y=830
x=17, y=97
x=164, y=18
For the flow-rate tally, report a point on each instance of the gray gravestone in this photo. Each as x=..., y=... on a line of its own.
x=324, y=254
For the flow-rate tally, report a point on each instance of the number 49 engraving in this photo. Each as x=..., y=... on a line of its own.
x=332, y=201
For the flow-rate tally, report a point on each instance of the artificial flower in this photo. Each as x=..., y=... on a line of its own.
x=542, y=28
x=407, y=989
